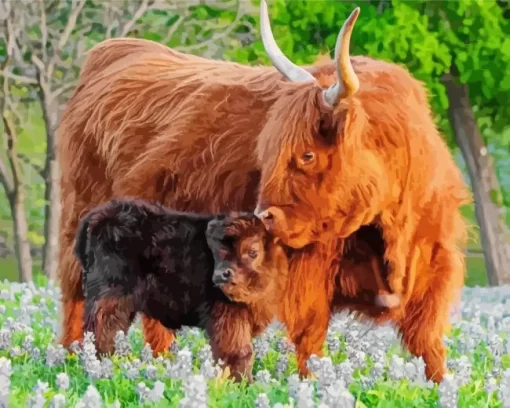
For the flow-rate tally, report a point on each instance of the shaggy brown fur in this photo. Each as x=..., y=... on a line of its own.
x=377, y=158
x=199, y=135
x=176, y=268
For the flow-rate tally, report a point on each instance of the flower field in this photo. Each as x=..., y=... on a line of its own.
x=363, y=366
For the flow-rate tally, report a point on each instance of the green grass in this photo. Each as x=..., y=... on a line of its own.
x=476, y=272
x=386, y=392
x=9, y=270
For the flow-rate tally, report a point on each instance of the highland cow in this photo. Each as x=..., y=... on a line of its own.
x=318, y=152
x=181, y=269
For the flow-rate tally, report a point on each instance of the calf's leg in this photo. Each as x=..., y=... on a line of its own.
x=229, y=330
x=105, y=317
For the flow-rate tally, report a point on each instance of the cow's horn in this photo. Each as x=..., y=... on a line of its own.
x=348, y=82
x=287, y=68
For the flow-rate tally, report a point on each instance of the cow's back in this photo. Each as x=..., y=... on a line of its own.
x=107, y=52
x=146, y=120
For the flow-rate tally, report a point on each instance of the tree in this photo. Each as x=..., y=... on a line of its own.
x=460, y=49
x=13, y=183
x=478, y=38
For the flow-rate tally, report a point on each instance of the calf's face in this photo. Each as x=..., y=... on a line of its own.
x=250, y=265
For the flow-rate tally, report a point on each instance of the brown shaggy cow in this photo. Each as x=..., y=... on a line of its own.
x=332, y=148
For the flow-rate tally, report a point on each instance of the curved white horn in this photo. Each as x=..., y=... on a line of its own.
x=348, y=82
x=287, y=68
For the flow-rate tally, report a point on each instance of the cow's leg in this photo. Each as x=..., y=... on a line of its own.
x=229, y=331
x=305, y=306
x=76, y=197
x=308, y=336
x=426, y=317
x=71, y=286
x=158, y=336
x=307, y=329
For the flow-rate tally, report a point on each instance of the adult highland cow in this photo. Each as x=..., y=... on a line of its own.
x=330, y=149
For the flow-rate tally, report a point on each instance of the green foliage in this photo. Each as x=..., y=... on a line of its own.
x=470, y=39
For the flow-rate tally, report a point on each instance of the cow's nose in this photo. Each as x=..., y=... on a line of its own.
x=260, y=209
x=273, y=219
x=266, y=215
x=268, y=219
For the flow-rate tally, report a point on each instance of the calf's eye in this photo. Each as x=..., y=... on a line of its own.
x=252, y=253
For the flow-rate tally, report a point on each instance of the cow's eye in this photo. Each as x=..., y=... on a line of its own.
x=308, y=157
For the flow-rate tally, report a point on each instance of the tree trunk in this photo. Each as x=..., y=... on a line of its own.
x=15, y=192
x=51, y=219
x=21, y=243
x=52, y=186
x=489, y=209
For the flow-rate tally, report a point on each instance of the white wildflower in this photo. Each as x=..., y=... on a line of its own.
x=58, y=401
x=182, y=366
x=195, y=393
x=91, y=398
x=262, y=401
x=62, y=381
x=261, y=346
x=5, y=375
x=55, y=355
x=263, y=376
x=146, y=354
x=304, y=396
x=208, y=369
x=504, y=389
x=337, y=395
x=38, y=399
x=122, y=346
x=448, y=392
x=5, y=339
x=345, y=371
x=106, y=368
x=396, y=367
x=150, y=372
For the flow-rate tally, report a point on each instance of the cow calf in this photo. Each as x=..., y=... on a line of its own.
x=221, y=273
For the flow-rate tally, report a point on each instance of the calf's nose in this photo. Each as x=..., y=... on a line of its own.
x=222, y=276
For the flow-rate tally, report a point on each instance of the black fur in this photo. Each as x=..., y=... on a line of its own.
x=159, y=257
